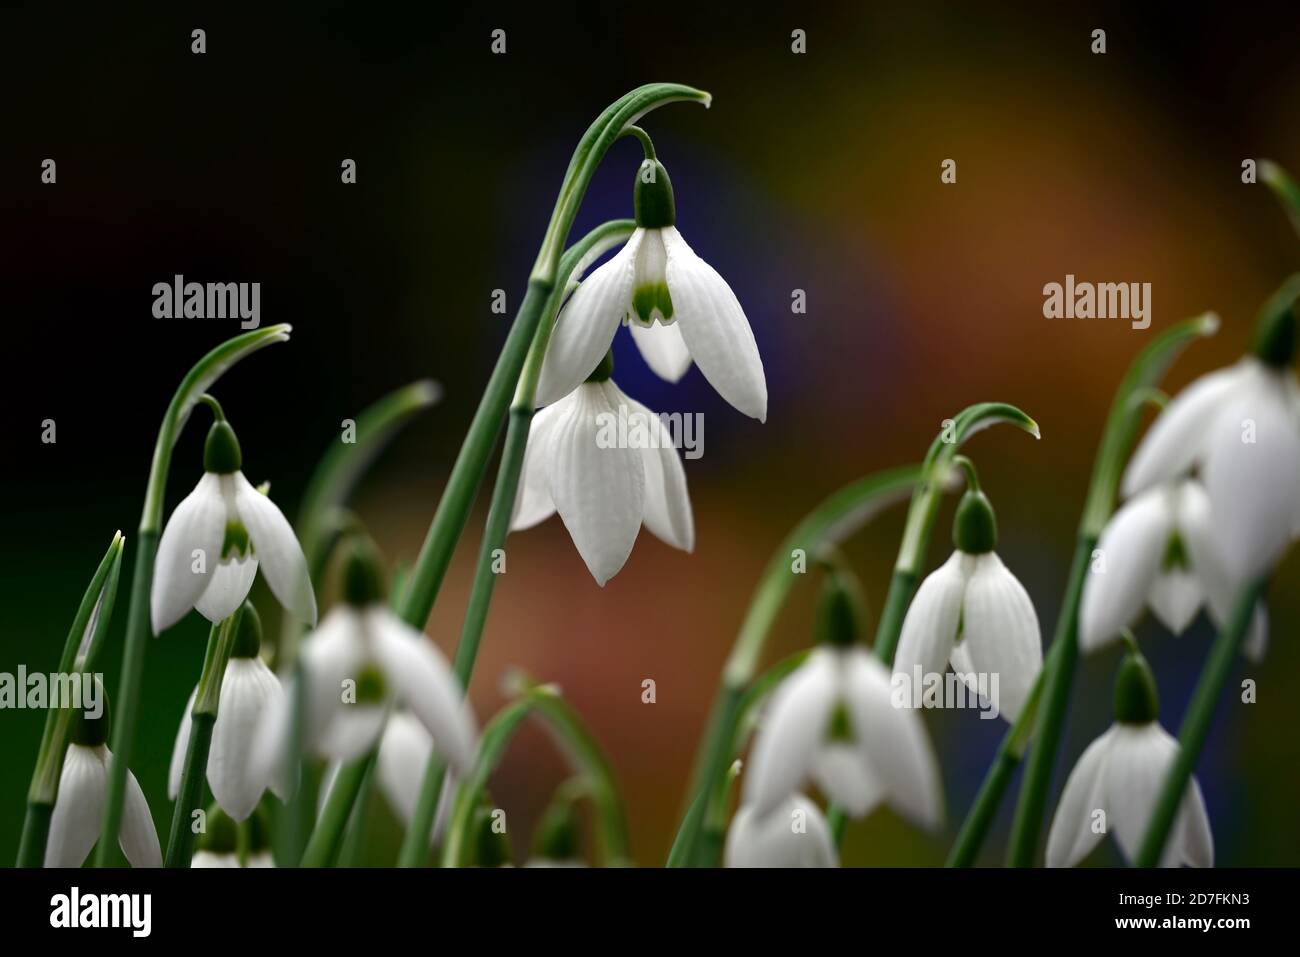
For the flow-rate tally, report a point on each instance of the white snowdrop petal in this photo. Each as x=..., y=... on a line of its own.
x=1176, y=438
x=845, y=778
x=74, y=825
x=587, y=323
x=1252, y=484
x=714, y=328
x=667, y=502
x=351, y=732
x=197, y=525
x=599, y=492
x=212, y=859
x=1255, y=644
x=403, y=752
x=790, y=732
x=663, y=349
x=137, y=835
x=893, y=740
x=229, y=585
x=335, y=652
x=930, y=625
x=1000, y=631
x=1136, y=767
x=1176, y=597
x=278, y=553
x=248, y=691
x=533, y=503
x=1075, y=827
x=1207, y=564
x=1121, y=576
x=424, y=681
x=177, y=767
x=794, y=835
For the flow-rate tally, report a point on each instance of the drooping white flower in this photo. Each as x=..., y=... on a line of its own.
x=656, y=279
x=833, y=720
x=221, y=843
x=1117, y=782
x=249, y=690
x=1158, y=550
x=795, y=834
x=218, y=537
x=1241, y=427
x=363, y=662
x=974, y=614
x=607, y=464
x=78, y=809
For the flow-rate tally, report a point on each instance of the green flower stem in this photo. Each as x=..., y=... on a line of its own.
x=203, y=717
x=325, y=839
x=416, y=843
x=832, y=521
x=996, y=780
x=1117, y=441
x=837, y=819
x=936, y=478
x=1196, y=725
x=575, y=740
x=354, y=838
x=80, y=650
x=1284, y=187
x=200, y=378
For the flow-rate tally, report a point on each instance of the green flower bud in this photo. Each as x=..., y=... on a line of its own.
x=975, y=527
x=652, y=196
x=488, y=846
x=558, y=835
x=604, y=371
x=1136, y=700
x=87, y=731
x=363, y=576
x=839, y=610
x=1275, y=338
x=248, y=638
x=221, y=453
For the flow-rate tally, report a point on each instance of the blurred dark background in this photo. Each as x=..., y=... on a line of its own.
x=817, y=172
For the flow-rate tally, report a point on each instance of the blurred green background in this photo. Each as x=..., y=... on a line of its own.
x=817, y=172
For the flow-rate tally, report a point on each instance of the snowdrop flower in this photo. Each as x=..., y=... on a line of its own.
x=1117, y=782
x=833, y=720
x=217, y=538
x=249, y=690
x=794, y=835
x=1241, y=427
x=974, y=614
x=78, y=809
x=362, y=661
x=604, y=483
x=1158, y=550
x=558, y=841
x=219, y=844
x=679, y=308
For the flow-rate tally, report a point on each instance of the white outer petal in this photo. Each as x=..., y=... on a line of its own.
x=1252, y=486
x=714, y=328
x=533, y=503
x=1000, y=632
x=334, y=652
x=755, y=840
x=930, y=625
x=137, y=835
x=229, y=585
x=842, y=774
x=893, y=740
x=599, y=492
x=403, y=753
x=790, y=732
x=74, y=825
x=1136, y=767
x=587, y=323
x=1132, y=546
x=248, y=691
x=199, y=522
x=278, y=553
x=1176, y=597
x=1176, y=438
x=667, y=502
x=1072, y=836
x=419, y=673
x=663, y=349
x=177, y=768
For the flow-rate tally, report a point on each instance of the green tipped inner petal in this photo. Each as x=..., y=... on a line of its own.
x=652, y=302
x=236, y=543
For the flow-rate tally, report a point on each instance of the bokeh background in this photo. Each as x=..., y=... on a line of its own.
x=817, y=172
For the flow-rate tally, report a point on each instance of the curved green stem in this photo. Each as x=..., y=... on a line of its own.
x=576, y=741
x=328, y=833
x=200, y=378
x=1284, y=188
x=1116, y=443
x=1196, y=725
x=80, y=651
x=203, y=718
x=416, y=842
